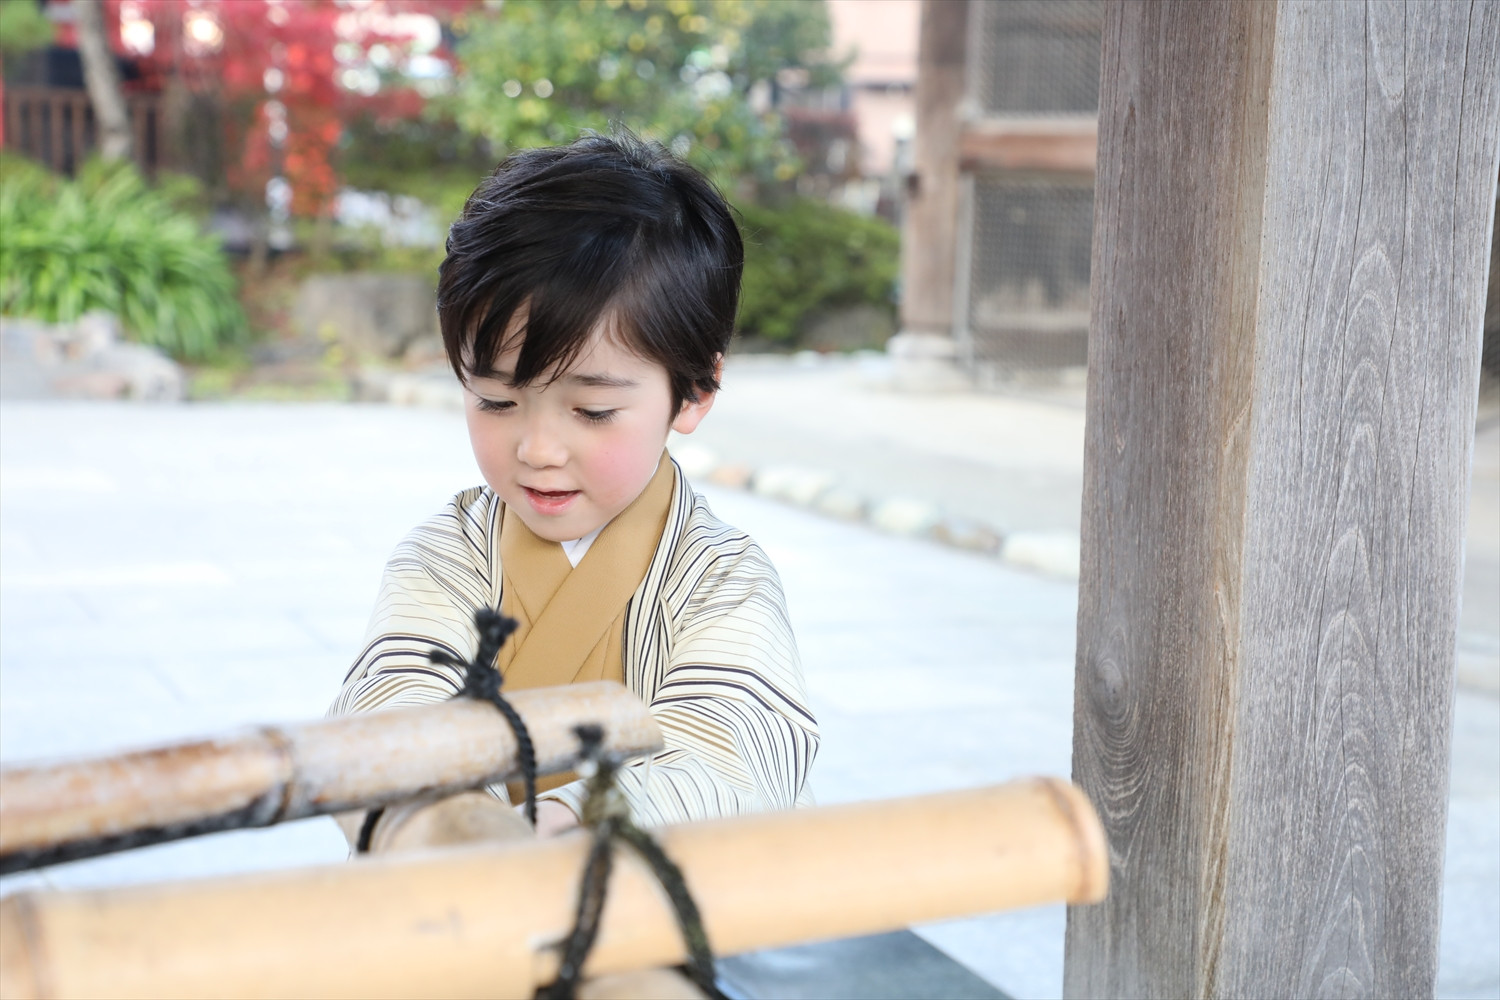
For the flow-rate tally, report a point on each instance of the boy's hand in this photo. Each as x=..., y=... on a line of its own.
x=552, y=817
x=466, y=818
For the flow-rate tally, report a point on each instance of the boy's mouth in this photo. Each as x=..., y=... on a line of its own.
x=549, y=501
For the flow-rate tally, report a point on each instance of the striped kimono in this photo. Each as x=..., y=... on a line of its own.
x=707, y=646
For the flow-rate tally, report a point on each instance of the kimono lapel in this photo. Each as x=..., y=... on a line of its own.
x=532, y=571
x=573, y=618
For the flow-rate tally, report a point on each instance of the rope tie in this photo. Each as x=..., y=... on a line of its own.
x=482, y=682
x=606, y=815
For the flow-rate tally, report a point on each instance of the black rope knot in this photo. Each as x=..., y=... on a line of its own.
x=481, y=681
x=606, y=814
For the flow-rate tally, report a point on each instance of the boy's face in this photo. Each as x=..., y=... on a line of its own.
x=570, y=454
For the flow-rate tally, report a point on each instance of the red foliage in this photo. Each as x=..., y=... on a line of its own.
x=275, y=64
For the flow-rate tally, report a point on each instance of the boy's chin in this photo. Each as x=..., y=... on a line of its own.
x=549, y=529
x=556, y=535
x=557, y=528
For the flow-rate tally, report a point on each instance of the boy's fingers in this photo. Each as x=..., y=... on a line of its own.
x=459, y=819
x=553, y=817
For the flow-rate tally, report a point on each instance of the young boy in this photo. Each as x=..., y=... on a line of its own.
x=586, y=302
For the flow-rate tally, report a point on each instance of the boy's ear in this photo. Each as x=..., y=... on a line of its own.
x=692, y=413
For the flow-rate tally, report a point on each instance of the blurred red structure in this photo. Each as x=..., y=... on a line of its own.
x=275, y=75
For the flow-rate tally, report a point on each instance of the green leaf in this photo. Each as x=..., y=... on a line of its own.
x=108, y=241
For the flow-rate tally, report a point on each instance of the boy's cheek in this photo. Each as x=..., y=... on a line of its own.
x=493, y=449
x=622, y=467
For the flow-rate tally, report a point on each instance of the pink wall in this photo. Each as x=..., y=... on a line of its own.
x=883, y=36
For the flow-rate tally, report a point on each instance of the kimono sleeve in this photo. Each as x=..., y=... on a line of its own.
x=739, y=736
x=435, y=580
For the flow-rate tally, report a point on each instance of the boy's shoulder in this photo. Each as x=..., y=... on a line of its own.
x=462, y=539
x=703, y=531
x=707, y=555
x=473, y=514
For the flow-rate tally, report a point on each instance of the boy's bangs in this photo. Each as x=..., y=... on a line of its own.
x=550, y=308
x=551, y=330
x=549, y=340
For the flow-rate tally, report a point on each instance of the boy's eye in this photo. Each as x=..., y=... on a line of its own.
x=493, y=405
x=597, y=416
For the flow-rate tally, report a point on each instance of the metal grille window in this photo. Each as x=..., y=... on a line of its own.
x=1037, y=57
x=1025, y=235
x=1028, y=270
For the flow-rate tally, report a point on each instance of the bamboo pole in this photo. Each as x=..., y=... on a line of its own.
x=74, y=809
x=482, y=920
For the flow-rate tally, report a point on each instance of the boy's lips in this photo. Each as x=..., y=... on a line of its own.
x=549, y=501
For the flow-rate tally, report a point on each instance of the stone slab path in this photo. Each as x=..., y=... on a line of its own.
x=168, y=571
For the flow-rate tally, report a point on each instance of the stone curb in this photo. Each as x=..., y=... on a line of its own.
x=1054, y=554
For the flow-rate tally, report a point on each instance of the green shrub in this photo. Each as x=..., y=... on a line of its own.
x=23, y=27
x=807, y=258
x=107, y=241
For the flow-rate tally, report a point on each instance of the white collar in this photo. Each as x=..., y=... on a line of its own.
x=576, y=549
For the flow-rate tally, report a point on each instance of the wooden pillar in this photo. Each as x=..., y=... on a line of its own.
x=929, y=235
x=1292, y=220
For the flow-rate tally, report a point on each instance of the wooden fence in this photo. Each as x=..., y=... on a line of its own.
x=55, y=126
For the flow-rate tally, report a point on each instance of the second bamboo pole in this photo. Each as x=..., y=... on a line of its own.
x=483, y=920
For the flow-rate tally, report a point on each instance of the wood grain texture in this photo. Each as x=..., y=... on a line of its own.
x=1291, y=227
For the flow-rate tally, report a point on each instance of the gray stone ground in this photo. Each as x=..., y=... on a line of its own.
x=176, y=570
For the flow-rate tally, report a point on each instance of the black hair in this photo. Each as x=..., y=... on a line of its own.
x=611, y=227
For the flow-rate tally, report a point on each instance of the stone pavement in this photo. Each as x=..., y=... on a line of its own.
x=176, y=570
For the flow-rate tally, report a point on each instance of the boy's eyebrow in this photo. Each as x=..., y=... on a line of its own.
x=603, y=381
x=494, y=374
x=591, y=380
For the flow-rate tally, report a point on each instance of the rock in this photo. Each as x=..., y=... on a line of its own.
x=148, y=373
x=438, y=389
x=83, y=360
x=371, y=385
x=90, y=385
x=27, y=339
x=371, y=315
x=735, y=476
x=924, y=362
x=906, y=517
x=91, y=334
x=1053, y=553
x=27, y=351
x=425, y=352
x=794, y=485
x=965, y=534
x=288, y=352
x=845, y=505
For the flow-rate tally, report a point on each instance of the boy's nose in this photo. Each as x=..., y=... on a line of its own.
x=540, y=447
